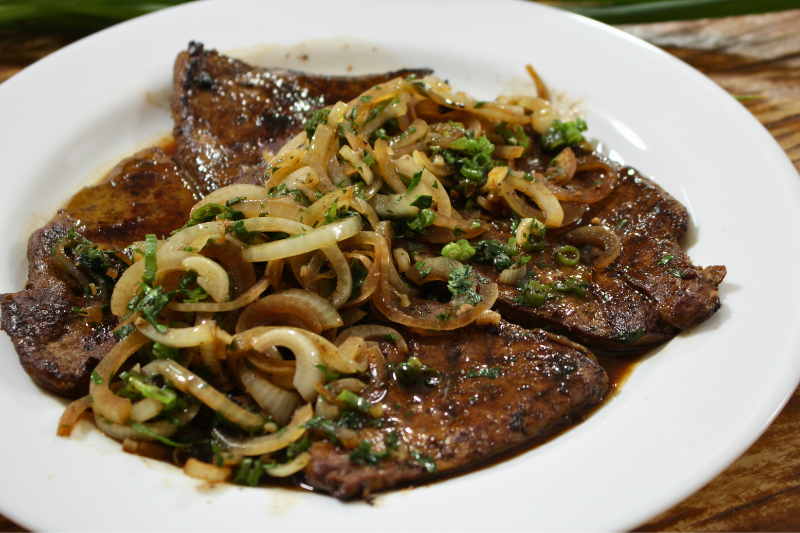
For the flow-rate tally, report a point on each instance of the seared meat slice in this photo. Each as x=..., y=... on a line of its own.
x=499, y=387
x=645, y=297
x=58, y=347
x=227, y=112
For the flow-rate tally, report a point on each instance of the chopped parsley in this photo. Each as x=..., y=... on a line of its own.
x=492, y=372
x=363, y=455
x=320, y=116
x=461, y=284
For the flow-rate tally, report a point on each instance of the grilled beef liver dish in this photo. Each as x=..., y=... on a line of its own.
x=500, y=386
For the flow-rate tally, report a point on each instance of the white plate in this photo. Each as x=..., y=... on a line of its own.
x=686, y=413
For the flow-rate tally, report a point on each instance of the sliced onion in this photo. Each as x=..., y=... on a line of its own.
x=211, y=352
x=210, y=276
x=327, y=314
x=308, y=241
x=565, y=167
x=247, y=298
x=324, y=137
x=238, y=190
x=512, y=276
x=590, y=194
x=268, y=443
x=279, y=403
x=508, y=152
x=285, y=162
x=416, y=131
x=496, y=175
x=335, y=359
x=365, y=209
x=162, y=428
x=207, y=472
x=272, y=208
x=351, y=316
x=526, y=227
x=488, y=318
x=387, y=168
x=306, y=353
x=387, y=301
x=177, y=337
x=438, y=170
x=145, y=409
x=128, y=284
x=280, y=310
x=441, y=201
x=539, y=193
x=373, y=332
x=195, y=237
x=351, y=157
x=315, y=215
x=107, y=404
x=187, y=381
x=402, y=258
x=370, y=282
x=72, y=414
x=394, y=205
x=292, y=467
x=598, y=236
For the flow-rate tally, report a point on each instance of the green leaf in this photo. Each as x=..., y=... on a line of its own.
x=643, y=11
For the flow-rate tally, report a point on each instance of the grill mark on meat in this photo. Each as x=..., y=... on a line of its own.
x=56, y=346
x=227, y=112
x=542, y=378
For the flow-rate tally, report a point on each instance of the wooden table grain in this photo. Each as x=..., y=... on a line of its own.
x=757, y=59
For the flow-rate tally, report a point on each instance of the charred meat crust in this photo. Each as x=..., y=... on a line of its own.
x=500, y=386
x=57, y=347
x=645, y=297
x=227, y=112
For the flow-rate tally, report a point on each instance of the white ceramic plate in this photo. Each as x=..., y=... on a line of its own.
x=687, y=412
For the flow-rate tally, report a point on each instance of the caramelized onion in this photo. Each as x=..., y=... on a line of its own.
x=239, y=190
x=374, y=332
x=187, y=381
x=268, y=443
x=207, y=472
x=289, y=468
x=107, y=404
x=278, y=402
x=309, y=239
x=591, y=194
x=538, y=192
x=72, y=414
x=599, y=236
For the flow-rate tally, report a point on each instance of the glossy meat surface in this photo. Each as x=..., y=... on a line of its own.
x=500, y=386
x=58, y=347
x=645, y=297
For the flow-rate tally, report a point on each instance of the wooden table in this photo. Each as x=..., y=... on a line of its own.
x=757, y=59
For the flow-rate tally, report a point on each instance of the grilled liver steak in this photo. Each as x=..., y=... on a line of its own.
x=500, y=386
x=227, y=112
x=645, y=297
x=58, y=347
